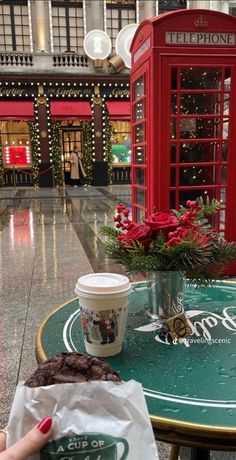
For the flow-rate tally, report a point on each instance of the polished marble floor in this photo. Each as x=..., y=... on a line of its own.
x=52, y=238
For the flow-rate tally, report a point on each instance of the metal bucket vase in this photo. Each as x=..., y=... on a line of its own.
x=166, y=294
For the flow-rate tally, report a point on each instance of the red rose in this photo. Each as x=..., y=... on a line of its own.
x=162, y=222
x=139, y=233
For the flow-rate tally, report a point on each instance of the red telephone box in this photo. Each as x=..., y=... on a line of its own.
x=183, y=95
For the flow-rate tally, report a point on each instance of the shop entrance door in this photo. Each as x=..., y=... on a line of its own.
x=71, y=138
x=199, y=132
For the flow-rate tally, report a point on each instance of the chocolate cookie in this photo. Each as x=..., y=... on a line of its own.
x=70, y=368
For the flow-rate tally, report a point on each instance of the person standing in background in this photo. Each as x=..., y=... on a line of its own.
x=76, y=170
x=82, y=174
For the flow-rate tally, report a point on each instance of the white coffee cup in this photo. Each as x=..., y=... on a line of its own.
x=103, y=309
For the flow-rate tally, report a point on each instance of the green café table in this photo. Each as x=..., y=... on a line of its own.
x=190, y=387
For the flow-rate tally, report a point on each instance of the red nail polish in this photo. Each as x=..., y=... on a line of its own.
x=45, y=425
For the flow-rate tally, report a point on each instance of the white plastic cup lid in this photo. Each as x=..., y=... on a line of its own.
x=103, y=284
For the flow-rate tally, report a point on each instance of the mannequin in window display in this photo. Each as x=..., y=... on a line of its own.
x=77, y=173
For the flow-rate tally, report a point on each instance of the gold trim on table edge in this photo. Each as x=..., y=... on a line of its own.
x=41, y=356
x=180, y=427
x=184, y=427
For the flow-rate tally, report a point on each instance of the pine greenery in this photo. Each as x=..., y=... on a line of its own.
x=201, y=254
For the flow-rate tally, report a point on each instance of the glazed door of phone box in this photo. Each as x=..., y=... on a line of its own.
x=199, y=132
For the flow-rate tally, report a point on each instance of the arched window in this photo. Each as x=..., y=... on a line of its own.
x=119, y=13
x=68, y=26
x=14, y=26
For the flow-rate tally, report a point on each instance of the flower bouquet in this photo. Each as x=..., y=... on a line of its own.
x=180, y=240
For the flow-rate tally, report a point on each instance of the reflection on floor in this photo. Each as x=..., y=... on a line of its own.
x=52, y=238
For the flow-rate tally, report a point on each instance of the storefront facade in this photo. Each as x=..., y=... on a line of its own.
x=54, y=96
x=50, y=118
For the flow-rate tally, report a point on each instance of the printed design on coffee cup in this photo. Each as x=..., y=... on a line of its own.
x=86, y=446
x=103, y=326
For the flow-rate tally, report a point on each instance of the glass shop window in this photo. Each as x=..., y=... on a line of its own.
x=15, y=142
x=121, y=142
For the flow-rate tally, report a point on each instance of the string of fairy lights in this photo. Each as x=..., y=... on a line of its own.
x=93, y=130
x=35, y=144
x=88, y=151
x=34, y=152
x=108, y=131
x=2, y=183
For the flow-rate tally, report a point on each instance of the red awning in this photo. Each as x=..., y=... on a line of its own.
x=119, y=110
x=70, y=110
x=16, y=110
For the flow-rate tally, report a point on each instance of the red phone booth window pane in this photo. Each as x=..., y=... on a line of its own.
x=195, y=175
x=222, y=220
x=200, y=78
x=139, y=154
x=139, y=133
x=200, y=128
x=139, y=112
x=140, y=197
x=140, y=215
x=140, y=176
x=173, y=153
x=224, y=175
x=225, y=127
x=184, y=194
x=223, y=196
x=224, y=151
x=173, y=177
x=139, y=88
x=192, y=152
x=200, y=104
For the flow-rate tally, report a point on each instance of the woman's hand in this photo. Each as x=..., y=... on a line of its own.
x=31, y=443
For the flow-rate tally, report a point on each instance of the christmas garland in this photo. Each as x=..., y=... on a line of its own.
x=88, y=150
x=109, y=131
x=56, y=153
x=34, y=151
x=2, y=183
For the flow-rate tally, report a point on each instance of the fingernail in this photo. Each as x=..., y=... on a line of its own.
x=45, y=425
